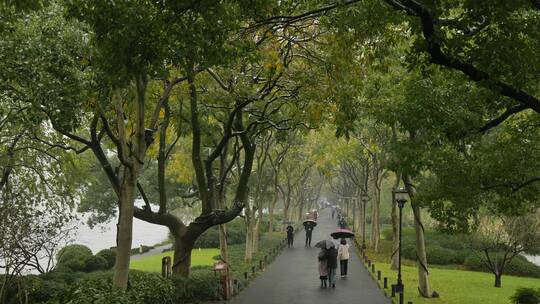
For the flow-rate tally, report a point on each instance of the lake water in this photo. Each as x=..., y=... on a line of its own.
x=104, y=236
x=534, y=259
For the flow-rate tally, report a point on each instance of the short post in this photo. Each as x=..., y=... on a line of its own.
x=369, y=263
x=401, y=297
x=253, y=270
x=385, y=282
x=410, y=302
x=393, y=291
x=265, y=260
x=246, y=275
x=373, y=268
x=378, y=275
x=260, y=265
x=166, y=270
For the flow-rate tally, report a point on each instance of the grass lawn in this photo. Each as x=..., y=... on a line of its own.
x=458, y=286
x=199, y=257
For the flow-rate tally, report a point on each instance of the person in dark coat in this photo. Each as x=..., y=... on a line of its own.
x=309, y=233
x=290, y=236
x=332, y=263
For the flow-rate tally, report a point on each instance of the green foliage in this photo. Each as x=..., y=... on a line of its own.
x=109, y=255
x=200, y=286
x=519, y=266
x=145, y=288
x=73, y=257
x=95, y=263
x=526, y=296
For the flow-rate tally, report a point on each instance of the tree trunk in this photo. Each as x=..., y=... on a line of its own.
x=498, y=280
x=423, y=272
x=395, y=229
x=223, y=247
x=271, y=219
x=183, y=246
x=248, y=253
x=358, y=214
x=124, y=231
x=375, y=223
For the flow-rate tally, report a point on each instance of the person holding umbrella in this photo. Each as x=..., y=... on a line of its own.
x=343, y=256
x=290, y=236
x=309, y=226
x=325, y=245
x=331, y=262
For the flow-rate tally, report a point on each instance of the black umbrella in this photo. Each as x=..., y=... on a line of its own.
x=325, y=244
x=311, y=223
x=342, y=234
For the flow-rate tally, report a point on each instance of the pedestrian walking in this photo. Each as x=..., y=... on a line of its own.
x=343, y=257
x=290, y=236
x=323, y=267
x=309, y=233
x=332, y=266
x=333, y=212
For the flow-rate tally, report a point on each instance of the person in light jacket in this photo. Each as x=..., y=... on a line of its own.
x=343, y=257
x=323, y=267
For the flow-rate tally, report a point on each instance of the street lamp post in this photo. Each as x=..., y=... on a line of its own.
x=364, y=203
x=400, y=196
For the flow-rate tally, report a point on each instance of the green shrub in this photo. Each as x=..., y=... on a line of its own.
x=95, y=263
x=73, y=257
x=202, y=285
x=109, y=255
x=526, y=296
x=440, y=256
x=519, y=266
x=144, y=288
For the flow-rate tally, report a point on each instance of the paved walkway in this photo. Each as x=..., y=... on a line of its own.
x=293, y=277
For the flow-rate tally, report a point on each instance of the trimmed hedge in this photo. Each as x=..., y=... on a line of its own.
x=109, y=255
x=202, y=285
x=73, y=257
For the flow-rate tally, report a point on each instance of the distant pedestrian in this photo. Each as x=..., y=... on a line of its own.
x=342, y=223
x=332, y=254
x=323, y=267
x=290, y=236
x=333, y=212
x=309, y=233
x=343, y=256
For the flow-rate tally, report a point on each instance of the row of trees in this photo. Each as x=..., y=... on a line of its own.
x=208, y=105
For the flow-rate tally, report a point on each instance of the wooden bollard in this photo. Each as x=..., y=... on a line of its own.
x=373, y=268
x=166, y=270
x=385, y=282
x=378, y=275
x=410, y=302
x=245, y=275
x=260, y=265
x=253, y=269
x=265, y=260
x=393, y=291
x=401, y=298
x=369, y=263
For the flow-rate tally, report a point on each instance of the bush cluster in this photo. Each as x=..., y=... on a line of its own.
x=455, y=249
x=236, y=233
x=519, y=266
x=79, y=258
x=526, y=296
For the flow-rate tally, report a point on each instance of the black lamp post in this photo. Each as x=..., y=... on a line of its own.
x=364, y=203
x=400, y=196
